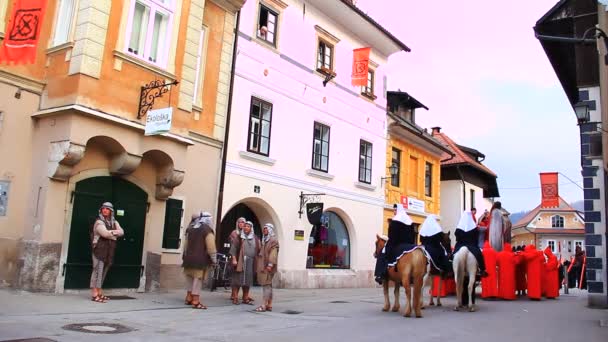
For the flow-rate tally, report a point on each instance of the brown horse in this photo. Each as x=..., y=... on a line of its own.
x=410, y=268
x=432, y=273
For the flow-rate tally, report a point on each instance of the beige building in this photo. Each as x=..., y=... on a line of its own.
x=72, y=137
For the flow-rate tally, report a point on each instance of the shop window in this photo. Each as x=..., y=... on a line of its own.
x=149, y=30
x=4, y=191
x=260, y=119
x=329, y=244
x=173, y=223
x=365, y=162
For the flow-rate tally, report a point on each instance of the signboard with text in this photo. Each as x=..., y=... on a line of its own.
x=158, y=121
x=412, y=204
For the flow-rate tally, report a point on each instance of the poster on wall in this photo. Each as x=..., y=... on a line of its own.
x=4, y=185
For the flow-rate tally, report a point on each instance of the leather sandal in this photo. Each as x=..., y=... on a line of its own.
x=199, y=305
x=98, y=299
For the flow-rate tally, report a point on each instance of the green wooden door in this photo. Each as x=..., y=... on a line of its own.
x=130, y=206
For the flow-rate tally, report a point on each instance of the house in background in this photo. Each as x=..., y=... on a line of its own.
x=300, y=132
x=465, y=182
x=414, y=156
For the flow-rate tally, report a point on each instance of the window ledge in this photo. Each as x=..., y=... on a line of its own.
x=60, y=47
x=319, y=174
x=197, y=108
x=365, y=186
x=257, y=158
x=172, y=251
x=264, y=43
x=144, y=65
x=369, y=96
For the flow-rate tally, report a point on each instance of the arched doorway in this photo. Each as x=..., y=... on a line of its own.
x=329, y=243
x=130, y=206
x=229, y=224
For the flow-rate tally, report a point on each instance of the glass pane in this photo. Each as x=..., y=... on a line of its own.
x=266, y=129
x=317, y=132
x=368, y=175
x=266, y=111
x=265, y=145
x=317, y=147
x=255, y=109
x=139, y=28
x=158, y=35
x=325, y=149
x=64, y=22
x=369, y=150
x=270, y=37
x=324, y=161
x=316, y=161
x=325, y=133
x=253, y=142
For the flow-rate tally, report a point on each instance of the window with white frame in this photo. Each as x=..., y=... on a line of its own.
x=365, y=162
x=63, y=24
x=551, y=244
x=200, y=57
x=557, y=221
x=149, y=30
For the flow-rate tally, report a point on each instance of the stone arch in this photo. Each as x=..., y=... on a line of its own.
x=167, y=178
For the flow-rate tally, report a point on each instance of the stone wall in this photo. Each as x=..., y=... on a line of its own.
x=39, y=266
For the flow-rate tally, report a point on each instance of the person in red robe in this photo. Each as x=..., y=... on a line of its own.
x=551, y=285
x=520, y=272
x=489, y=284
x=534, y=266
x=505, y=261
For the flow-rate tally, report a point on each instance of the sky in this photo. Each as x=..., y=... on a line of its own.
x=489, y=85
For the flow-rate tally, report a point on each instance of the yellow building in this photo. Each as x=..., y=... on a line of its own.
x=72, y=136
x=414, y=159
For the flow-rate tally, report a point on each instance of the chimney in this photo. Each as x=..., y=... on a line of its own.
x=549, y=190
x=436, y=130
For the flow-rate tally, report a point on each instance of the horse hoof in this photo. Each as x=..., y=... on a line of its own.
x=419, y=316
x=422, y=308
x=438, y=304
x=395, y=309
x=456, y=308
x=385, y=309
x=407, y=315
x=472, y=309
x=432, y=304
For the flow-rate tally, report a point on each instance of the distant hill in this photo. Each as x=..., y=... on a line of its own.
x=578, y=205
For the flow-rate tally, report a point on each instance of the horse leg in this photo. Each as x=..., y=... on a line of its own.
x=439, y=291
x=387, y=301
x=405, y=279
x=471, y=289
x=396, y=304
x=459, y=278
x=418, y=277
x=428, y=282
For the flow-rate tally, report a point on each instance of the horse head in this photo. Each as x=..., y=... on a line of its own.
x=446, y=242
x=380, y=243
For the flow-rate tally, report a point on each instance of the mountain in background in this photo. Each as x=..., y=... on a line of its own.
x=577, y=205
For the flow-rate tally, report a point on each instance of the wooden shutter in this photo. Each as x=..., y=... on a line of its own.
x=173, y=220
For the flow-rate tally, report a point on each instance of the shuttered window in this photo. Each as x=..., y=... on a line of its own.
x=173, y=221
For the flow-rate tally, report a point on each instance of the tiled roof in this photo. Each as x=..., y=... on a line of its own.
x=524, y=221
x=558, y=231
x=459, y=156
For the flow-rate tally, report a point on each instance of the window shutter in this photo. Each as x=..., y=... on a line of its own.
x=173, y=218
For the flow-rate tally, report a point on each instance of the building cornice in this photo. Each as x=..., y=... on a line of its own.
x=22, y=82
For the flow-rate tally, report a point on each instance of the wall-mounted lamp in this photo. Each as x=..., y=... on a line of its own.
x=393, y=170
x=582, y=113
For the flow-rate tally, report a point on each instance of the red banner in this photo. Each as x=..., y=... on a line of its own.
x=360, y=66
x=550, y=194
x=23, y=32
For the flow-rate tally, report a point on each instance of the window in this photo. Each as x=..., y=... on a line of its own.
x=396, y=160
x=551, y=244
x=365, y=162
x=329, y=244
x=472, y=194
x=4, y=187
x=320, y=148
x=428, y=179
x=578, y=243
x=325, y=57
x=557, y=221
x=63, y=25
x=267, y=25
x=3, y=8
x=173, y=223
x=149, y=30
x=595, y=145
x=260, y=117
x=368, y=90
x=199, y=66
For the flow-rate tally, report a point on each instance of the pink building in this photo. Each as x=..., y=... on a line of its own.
x=298, y=126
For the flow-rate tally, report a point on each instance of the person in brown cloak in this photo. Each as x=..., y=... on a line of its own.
x=243, y=260
x=267, y=265
x=103, y=243
x=235, y=240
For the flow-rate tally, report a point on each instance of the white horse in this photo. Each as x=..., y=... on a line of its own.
x=464, y=264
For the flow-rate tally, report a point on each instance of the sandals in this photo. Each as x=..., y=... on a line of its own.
x=235, y=301
x=261, y=308
x=199, y=305
x=98, y=299
x=247, y=301
x=187, y=302
x=269, y=308
x=106, y=298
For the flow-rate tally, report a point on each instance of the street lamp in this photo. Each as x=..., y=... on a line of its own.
x=393, y=170
x=582, y=113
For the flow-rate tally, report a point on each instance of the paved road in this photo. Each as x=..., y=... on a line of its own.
x=298, y=315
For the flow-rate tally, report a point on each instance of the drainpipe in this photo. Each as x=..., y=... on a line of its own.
x=464, y=188
x=220, y=195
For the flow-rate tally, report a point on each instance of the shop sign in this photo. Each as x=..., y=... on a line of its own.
x=158, y=121
x=412, y=203
x=298, y=235
x=314, y=212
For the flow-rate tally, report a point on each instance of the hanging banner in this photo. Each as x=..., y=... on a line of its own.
x=23, y=32
x=314, y=212
x=549, y=189
x=158, y=121
x=360, y=66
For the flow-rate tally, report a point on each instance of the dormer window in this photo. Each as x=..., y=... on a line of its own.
x=557, y=221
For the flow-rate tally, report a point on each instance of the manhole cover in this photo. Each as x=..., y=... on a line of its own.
x=98, y=328
x=339, y=302
x=292, y=312
x=33, y=339
x=120, y=297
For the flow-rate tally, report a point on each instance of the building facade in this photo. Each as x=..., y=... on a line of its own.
x=72, y=137
x=465, y=182
x=582, y=74
x=300, y=132
x=416, y=157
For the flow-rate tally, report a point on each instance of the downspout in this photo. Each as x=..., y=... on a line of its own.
x=464, y=189
x=220, y=195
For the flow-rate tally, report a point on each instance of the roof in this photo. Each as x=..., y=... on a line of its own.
x=404, y=99
x=460, y=157
x=558, y=231
x=374, y=23
x=524, y=221
x=419, y=132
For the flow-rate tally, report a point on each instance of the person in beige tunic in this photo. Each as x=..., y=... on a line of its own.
x=200, y=255
x=267, y=265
